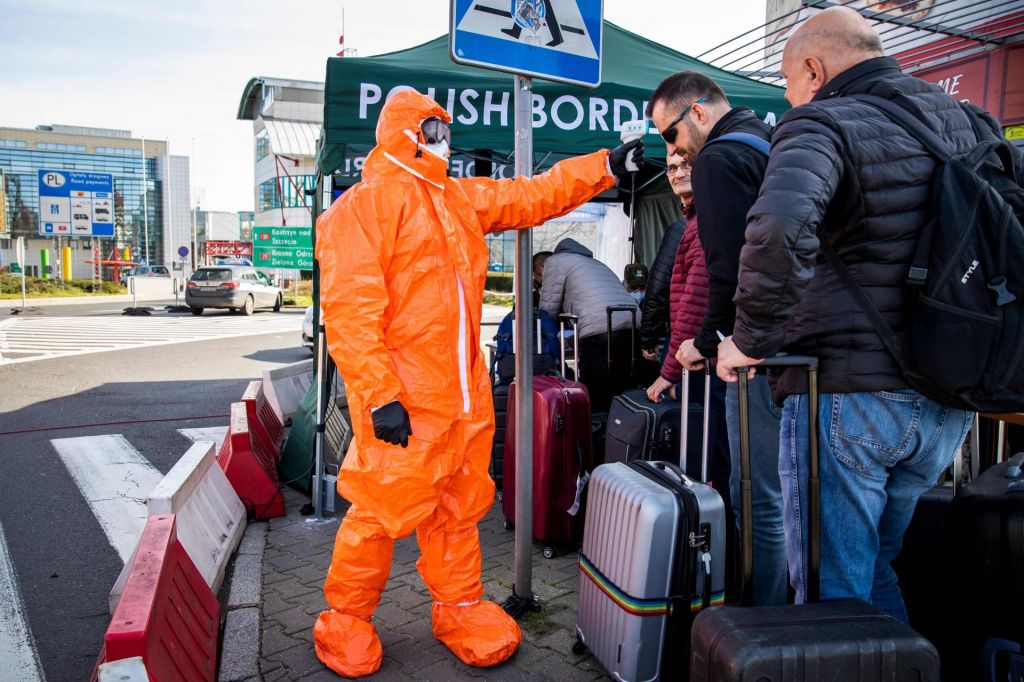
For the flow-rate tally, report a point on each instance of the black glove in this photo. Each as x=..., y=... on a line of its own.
x=634, y=149
x=391, y=424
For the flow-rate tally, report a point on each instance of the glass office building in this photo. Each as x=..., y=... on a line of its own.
x=144, y=198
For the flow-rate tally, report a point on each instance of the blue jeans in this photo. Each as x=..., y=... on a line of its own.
x=879, y=453
x=770, y=577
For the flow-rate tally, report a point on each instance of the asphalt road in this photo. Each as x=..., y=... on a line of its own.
x=63, y=561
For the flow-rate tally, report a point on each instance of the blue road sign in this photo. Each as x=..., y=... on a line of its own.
x=558, y=40
x=182, y=251
x=73, y=203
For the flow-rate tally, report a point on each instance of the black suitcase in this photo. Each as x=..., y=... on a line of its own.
x=500, y=395
x=640, y=429
x=986, y=536
x=836, y=641
x=970, y=543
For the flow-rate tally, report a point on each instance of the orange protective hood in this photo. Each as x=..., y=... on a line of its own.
x=398, y=124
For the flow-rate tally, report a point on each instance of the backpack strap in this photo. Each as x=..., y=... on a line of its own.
x=749, y=139
x=911, y=124
x=882, y=328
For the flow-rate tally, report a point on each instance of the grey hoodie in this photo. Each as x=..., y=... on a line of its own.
x=576, y=283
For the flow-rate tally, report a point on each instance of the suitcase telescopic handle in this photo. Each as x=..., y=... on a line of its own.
x=631, y=309
x=807, y=361
x=574, y=320
x=813, y=481
x=684, y=416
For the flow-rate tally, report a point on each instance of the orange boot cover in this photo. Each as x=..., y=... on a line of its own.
x=345, y=640
x=480, y=634
x=347, y=645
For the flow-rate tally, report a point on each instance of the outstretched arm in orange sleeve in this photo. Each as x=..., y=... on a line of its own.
x=525, y=202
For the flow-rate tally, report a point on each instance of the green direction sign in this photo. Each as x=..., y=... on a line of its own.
x=289, y=248
x=15, y=269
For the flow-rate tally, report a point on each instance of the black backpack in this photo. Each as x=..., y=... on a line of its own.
x=964, y=340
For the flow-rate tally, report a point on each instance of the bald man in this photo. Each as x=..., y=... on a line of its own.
x=842, y=171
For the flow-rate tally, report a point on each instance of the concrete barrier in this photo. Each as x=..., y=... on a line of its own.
x=251, y=469
x=168, y=616
x=285, y=386
x=210, y=516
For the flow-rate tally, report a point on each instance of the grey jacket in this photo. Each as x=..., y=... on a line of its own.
x=576, y=283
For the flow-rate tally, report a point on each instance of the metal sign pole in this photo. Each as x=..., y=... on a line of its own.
x=523, y=90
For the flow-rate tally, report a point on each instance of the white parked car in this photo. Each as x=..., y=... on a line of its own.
x=307, y=329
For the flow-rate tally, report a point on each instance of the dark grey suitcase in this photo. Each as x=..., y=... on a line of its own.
x=837, y=641
x=653, y=555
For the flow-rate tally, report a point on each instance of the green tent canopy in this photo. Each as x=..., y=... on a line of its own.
x=568, y=120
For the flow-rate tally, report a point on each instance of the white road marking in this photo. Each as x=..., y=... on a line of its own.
x=210, y=433
x=40, y=338
x=18, y=657
x=115, y=480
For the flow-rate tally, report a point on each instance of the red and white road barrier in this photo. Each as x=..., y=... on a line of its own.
x=250, y=467
x=285, y=386
x=263, y=421
x=168, y=616
x=210, y=516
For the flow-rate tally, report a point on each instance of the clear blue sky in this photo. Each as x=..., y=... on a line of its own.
x=175, y=71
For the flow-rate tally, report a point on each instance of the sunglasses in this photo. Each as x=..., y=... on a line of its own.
x=670, y=132
x=435, y=130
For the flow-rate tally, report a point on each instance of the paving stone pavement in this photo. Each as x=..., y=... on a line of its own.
x=295, y=562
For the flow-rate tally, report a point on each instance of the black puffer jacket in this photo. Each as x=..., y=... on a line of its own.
x=726, y=177
x=840, y=165
x=655, y=306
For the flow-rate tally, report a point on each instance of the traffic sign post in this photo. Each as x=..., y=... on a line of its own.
x=282, y=247
x=557, y=40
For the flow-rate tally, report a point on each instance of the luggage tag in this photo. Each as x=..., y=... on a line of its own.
x=581, y=483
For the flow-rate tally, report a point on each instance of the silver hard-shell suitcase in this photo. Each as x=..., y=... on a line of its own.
x=653, y=556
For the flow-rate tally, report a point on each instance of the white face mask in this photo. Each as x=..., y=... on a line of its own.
x=438, y=149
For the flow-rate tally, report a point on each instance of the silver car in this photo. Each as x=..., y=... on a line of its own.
x=238, y=287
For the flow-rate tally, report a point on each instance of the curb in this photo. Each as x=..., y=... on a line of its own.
x=240, y=649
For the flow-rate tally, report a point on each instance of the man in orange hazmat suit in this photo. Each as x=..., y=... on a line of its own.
x=403, y=261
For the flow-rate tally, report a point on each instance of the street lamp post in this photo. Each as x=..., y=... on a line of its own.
x=195, y=238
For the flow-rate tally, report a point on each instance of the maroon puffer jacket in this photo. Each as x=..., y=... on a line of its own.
x=688, y=297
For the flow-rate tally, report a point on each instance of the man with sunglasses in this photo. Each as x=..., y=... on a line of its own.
x=403, y=259
x=691, y=112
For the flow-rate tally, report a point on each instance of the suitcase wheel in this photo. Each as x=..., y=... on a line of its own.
x=579, y=648
x=550, y=553
x=507, y=525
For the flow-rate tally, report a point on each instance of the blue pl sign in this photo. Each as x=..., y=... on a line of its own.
x=73, y=203
x=558, y=40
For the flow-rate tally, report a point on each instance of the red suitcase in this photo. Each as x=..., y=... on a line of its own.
x=562, y=460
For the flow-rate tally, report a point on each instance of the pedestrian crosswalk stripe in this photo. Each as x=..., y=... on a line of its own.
x=115, y=480
x=214, y=434
x=18, y=657
x=28, y=339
